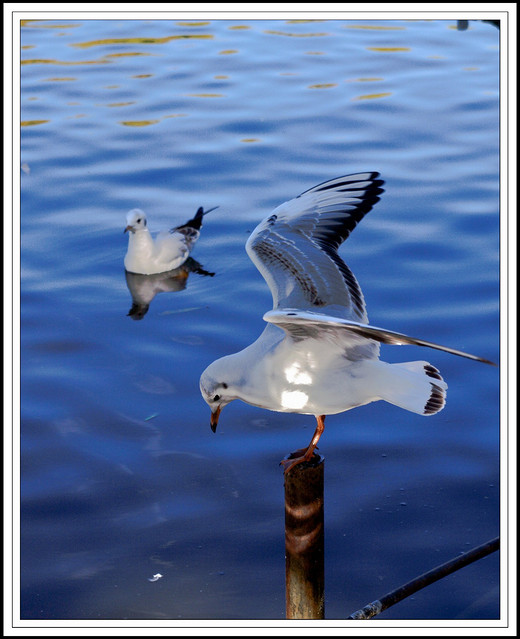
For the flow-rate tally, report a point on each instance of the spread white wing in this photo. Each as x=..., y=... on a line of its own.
x=301, y=325
x=295, y=248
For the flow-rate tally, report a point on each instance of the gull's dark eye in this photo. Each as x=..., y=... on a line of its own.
x=216, y=398
x=139, y=221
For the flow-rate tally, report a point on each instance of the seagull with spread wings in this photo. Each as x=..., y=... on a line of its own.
x=318, y=355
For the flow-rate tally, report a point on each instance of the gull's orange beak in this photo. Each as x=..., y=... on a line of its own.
x=214, y=419
x=128, y=228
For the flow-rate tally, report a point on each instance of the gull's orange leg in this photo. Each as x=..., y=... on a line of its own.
x=305, y=454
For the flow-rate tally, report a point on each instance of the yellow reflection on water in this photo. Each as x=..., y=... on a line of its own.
x=372, y=96
x=166, y=39
x=63, y=62
x=329, y=85
x=139, y=122
x=228, y=52
x=38, y=24
x=60, y=80
x=388, y=49
x=33, y=122
x=366, y=80
x=193, y=24
x=126, y=54
x=205, y=95
x=117, y=104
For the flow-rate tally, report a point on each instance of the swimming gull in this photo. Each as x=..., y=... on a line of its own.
x=318, y=355
x=169, y=250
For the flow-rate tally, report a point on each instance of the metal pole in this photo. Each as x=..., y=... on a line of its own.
x=376, y=607
x=304, y=537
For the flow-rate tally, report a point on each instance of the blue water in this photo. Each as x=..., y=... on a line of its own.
x=121, y=476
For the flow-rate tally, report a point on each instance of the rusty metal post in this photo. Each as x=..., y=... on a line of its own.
x=304, y=541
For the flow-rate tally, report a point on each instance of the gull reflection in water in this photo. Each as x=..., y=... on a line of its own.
x=143, y=288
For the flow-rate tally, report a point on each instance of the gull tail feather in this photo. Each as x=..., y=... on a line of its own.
x=414, y=386
x=196, y=220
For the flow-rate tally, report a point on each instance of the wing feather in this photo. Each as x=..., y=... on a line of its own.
x=295, y=248
x=306, y=324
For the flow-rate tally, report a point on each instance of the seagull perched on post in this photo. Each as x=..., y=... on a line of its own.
x=318, y=355
x=169, y=250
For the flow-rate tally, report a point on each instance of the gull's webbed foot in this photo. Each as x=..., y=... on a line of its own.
x=304, y=454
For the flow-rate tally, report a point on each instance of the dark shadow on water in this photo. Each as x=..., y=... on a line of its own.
x=143, y=288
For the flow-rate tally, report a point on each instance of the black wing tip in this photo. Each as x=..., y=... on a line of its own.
x=196, y=220
x=349, y=181
x=433, y=372
x=487, y=361
x=437, y=399
x=367, y=183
